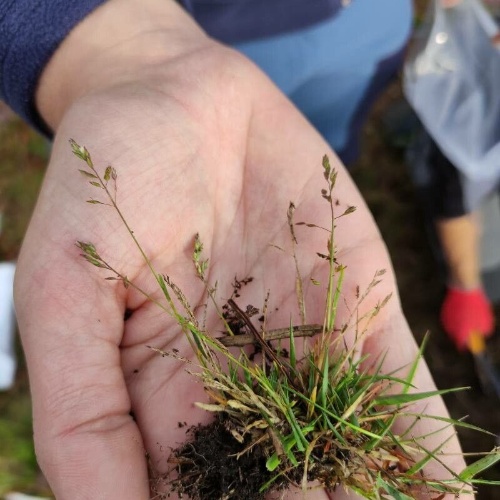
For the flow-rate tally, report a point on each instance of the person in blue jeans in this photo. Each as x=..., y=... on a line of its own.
x=203, y=142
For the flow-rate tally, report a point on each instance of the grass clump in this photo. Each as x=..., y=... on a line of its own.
x=284, y=419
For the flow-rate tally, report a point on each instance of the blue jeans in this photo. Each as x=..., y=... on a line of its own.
x=334, y=70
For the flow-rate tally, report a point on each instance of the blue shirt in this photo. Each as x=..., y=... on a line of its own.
x=31, y=31
x=233, y=21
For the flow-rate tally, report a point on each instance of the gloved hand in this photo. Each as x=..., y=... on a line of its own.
x=464, y=312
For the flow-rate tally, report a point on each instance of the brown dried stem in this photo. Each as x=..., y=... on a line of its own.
x=278, y=334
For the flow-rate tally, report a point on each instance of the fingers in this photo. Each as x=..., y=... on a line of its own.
x=71, y=327
x=84, y=436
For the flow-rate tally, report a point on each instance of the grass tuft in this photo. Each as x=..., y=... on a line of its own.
x=321, y=417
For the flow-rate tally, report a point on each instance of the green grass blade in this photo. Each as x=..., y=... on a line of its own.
x=427, y=458
x=451, y=421
x=325, y=380
x=401, y=399
x=480, y=465
x=414, y=366
x=293, y=353
x=395, y=494
x=273, y=462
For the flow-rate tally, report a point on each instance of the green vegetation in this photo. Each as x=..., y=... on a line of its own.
x=18, y=469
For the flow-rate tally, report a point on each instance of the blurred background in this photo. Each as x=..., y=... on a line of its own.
x=382, y=176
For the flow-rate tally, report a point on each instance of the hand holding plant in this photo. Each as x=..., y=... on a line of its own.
x=194, y=155
x=285, y=420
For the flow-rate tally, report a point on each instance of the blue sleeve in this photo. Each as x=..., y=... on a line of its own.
x=30, y=32
x=239, y=21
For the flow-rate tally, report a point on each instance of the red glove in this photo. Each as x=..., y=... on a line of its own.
x=464, y=312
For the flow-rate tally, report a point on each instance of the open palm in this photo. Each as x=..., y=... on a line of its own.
x=210, y=147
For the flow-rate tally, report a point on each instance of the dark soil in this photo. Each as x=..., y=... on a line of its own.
x=208, y=466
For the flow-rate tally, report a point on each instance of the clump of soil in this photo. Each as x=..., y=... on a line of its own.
x=210, y=465
x=215, y=465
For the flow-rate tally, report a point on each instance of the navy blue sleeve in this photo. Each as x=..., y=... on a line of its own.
x=234, y=21
x=30, y=32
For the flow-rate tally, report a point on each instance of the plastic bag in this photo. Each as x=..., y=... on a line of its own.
x=452, y=81
x=7, y=326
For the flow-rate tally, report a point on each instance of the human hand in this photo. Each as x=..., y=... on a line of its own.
x=202, y=142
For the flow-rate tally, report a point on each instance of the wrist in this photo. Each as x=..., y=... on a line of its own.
x=119, y=42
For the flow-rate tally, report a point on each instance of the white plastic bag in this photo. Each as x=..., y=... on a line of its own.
x=452, y=81
x=7, y=326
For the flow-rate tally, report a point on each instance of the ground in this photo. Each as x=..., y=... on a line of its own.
x=382, y=177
